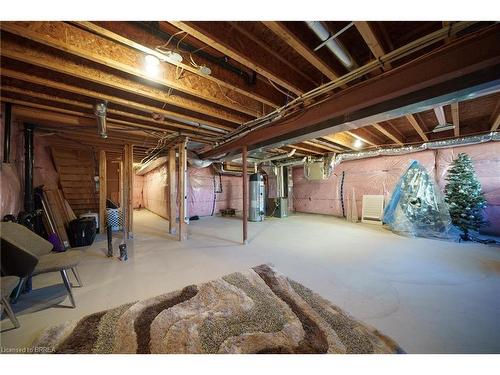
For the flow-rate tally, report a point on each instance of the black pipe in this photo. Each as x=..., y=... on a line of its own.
x=29, y=196
x=249, y=78
x=6, y=134
x=109, y=233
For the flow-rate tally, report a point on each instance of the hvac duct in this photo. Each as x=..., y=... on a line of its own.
x=196, y=162
x=256, y=190
x=100, y=112
x=335, y=47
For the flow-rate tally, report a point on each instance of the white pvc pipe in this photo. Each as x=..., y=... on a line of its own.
x=323, y=34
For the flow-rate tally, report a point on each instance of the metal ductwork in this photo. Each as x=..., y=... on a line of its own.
x=100, y=112
x=335, y=47
x=196, y=162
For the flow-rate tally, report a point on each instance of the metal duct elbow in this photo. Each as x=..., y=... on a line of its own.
x=198, y=163
x=100, y=112
x=335, y=47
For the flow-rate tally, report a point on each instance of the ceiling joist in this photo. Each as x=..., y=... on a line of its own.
x=287, y=36
x=391, y=135
x=214, y=34
x=411, y=119
x=40, y=57
x=84, y=44
x=141, y=37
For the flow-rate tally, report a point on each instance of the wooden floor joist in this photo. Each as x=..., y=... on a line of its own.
x=413, y=121
x=256, y=92
x=101, y=96
x=214, y=38
x=40, y=57
x=74, y=40
x=391, y=135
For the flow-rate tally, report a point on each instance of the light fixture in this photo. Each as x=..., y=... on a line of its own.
x=358, y=143
x=204, y=70
x=151, y=65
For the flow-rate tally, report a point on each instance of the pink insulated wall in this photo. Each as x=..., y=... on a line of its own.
x=379, y=176
x=200, y=191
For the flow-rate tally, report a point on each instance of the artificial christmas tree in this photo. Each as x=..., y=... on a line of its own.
x=417, y=207
x=464, y=196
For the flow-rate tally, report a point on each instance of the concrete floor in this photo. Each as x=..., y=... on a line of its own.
x=430, y=296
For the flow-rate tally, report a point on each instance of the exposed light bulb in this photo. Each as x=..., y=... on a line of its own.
x=358, y=143
x=151, y=65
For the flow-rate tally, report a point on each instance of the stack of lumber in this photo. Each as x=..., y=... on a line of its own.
x=57, y=216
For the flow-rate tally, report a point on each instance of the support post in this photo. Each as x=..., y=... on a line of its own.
x=182, y=190
x=29, y=197
x=127, y=206
x=245, y=195
x=103, y=192
x=171, y=191
x=6, y=134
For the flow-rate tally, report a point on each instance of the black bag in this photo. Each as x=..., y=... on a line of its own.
x=82, y=231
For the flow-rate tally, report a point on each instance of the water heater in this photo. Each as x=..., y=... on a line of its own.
x=256, y=193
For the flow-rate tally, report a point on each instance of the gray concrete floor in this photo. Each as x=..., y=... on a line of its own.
x=431, y=296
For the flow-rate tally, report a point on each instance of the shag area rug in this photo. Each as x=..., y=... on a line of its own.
x=257, y=311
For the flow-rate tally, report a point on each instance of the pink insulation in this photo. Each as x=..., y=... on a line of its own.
x=11, y=174
x=379, y=176
x=200, y=191
x=138, y=187
x=155, y=191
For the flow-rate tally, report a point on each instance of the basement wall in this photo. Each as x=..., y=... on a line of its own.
x=200, y=191
x=379, y=176
x=12, y=174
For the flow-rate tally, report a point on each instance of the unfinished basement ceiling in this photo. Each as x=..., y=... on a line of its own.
x=231, y=74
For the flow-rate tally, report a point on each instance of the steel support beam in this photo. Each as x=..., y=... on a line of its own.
x=468, y=67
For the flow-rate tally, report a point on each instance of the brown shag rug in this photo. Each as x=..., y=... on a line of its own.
x=257, y=311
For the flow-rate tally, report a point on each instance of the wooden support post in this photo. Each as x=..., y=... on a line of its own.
x=245, y=195
x=102, y=191
x=127, y=206
x=171, y=191
x=182, y=234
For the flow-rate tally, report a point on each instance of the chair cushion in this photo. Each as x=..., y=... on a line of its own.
x=21, y=237
x=58, y=261
x=8, y=284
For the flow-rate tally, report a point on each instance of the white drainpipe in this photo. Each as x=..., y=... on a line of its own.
x=336, y=48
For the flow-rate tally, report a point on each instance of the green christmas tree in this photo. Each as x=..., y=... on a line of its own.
x=464, y=196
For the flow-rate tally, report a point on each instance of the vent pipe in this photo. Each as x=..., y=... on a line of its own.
x=6, y=134
x=100, y=112
x=335, y=47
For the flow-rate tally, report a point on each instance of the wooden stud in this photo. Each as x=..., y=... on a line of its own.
x=102, y=191
x=411, y=119
x=182, y=193
x=75, y=41
x=245, y=194
x=455, y=115
x=172, y=194
x=495, y=117
x=128, y=190
x=389, y=134
x=287, y=36
x=371, y=40
x=228, y=46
